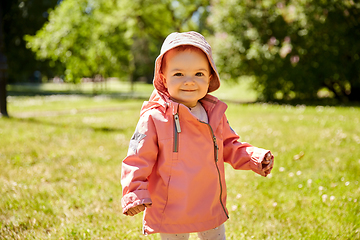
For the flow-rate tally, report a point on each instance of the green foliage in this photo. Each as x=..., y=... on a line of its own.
x=154, y=21
x=111, y=38
x=294, y=48
x=88, y=37
x=60, y=171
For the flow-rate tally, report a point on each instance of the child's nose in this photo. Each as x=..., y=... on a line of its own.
x=189, y=81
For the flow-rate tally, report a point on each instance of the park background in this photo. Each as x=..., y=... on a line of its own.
x=74, y=74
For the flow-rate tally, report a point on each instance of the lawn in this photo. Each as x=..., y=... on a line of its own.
x=239, y=92
x=60, y=165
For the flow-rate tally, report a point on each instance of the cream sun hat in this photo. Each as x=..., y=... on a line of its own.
x=187, y=38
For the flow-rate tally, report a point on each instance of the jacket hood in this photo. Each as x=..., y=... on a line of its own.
x=156, y=100
x=187, y=38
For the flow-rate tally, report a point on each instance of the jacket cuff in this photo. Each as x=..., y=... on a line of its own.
x=256, y=159
x=134, y=199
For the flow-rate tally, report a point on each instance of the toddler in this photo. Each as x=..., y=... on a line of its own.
x=174, y=169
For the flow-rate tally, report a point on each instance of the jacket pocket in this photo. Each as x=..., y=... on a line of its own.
x=167, y=193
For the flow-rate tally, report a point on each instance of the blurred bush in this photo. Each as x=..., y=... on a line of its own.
x=295, y=48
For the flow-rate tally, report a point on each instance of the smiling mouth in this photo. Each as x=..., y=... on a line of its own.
x=188, y=90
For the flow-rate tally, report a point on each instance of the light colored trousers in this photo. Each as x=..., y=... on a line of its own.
x=213, y=234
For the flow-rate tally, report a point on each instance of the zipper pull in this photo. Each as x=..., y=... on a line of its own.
x=216, y=150
x=177, y=122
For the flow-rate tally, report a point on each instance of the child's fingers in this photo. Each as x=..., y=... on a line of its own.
x=269, y=165
x=131, y=212
x=141, y=208
x=268, y=170
x=267, y=159
x=135, y=210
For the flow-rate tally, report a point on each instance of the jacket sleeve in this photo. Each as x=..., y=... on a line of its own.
x=138, y=164
x=241, y=155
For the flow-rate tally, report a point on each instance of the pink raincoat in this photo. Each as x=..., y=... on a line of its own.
x=176, y=162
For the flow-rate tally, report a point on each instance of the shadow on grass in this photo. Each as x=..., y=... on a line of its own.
x=32, y=90
x=333, y=102
x=296, y=102
x=69, y=112
x=121, y=96
x=60, y=125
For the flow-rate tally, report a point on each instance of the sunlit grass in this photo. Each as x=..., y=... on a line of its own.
x=60, y=173
x=239, y=92
x=314, y=190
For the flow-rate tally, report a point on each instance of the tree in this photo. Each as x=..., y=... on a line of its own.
x=86, y=37
x=294, y=48
x=3, y=68
x=20, y=18
x=110, y=38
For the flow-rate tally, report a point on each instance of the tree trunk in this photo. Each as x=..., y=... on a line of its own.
x=3, y=103
x=354, y=96
x=3, y=68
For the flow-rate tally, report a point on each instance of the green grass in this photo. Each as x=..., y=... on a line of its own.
x=60, y=164
x=112, y=87
x=239, y=92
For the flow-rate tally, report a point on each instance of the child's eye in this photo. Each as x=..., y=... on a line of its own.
x=199, y=74
x=178, y=74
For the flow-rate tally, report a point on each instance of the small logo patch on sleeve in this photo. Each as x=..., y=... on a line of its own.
x=134, y=142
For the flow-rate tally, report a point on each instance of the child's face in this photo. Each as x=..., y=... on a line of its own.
x=186, y=76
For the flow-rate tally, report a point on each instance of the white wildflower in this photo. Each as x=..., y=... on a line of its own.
x=309, y=181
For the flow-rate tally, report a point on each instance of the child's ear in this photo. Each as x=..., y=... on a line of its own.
x=163, y=79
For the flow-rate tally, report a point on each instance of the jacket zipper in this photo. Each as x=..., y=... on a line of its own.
x=176, y=132
x=216, y=157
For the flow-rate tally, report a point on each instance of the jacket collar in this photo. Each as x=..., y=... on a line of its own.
x=213, y=106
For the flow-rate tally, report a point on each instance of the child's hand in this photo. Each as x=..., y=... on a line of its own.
x=267, y=163
x=137, y=209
